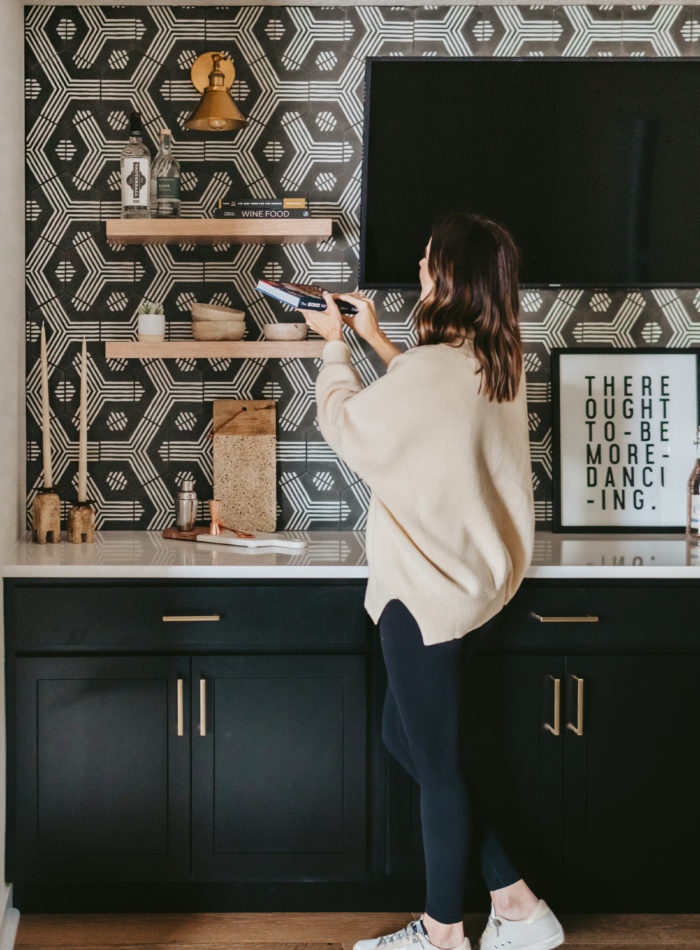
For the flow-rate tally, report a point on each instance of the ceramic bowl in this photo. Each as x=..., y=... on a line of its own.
x=218, y=329
x=284, y=331
x=211, y=311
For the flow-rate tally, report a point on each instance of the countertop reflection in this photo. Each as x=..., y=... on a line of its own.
x=335, y=554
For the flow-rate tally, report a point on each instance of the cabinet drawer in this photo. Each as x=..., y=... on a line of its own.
x=661, y=616
x=147, y=616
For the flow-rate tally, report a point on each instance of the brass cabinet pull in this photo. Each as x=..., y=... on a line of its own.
x=555, y=728
x=191, y=618
x=180, y=707
x=588, y=618
x=577, y=729
x=202, y=707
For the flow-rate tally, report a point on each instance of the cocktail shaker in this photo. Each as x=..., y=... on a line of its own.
x=186, y=506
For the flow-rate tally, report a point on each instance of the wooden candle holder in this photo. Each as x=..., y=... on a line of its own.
x=46, y=517
x=81, y=523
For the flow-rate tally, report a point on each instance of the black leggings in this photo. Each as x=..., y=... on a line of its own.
x=421, y=729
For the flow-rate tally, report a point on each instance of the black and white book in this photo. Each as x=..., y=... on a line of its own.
x=289, y=203
x=302, y=296
x=269, y=214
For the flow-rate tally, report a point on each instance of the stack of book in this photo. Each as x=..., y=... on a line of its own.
x=289, y=207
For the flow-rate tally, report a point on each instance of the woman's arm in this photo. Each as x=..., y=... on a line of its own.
x=351, y=417
x=328, y=323
x=366, y=325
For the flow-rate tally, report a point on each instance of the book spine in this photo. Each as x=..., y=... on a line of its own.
x=281, y=204
x=313, y=303
x=310, y=303
x=262, y=213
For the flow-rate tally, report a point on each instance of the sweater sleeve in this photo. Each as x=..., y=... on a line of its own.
x=353, y=418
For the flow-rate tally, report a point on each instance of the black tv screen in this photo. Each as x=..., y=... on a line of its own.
x=593, y=165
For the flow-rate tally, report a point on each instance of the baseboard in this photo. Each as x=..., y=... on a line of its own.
x=9, y=921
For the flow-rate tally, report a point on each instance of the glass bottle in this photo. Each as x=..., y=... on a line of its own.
x=135, y=172
x=165, y=180
x=692, y=529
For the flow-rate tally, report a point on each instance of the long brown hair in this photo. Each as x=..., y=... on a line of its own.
x=473, y=263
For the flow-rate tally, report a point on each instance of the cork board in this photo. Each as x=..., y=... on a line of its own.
x=245, y=463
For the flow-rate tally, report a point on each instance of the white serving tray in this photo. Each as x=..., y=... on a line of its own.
x=261, y=540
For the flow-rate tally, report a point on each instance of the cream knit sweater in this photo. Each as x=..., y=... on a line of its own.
x=450, y=523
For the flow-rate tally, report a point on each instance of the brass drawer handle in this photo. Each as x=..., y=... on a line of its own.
x=588, y=618
x=202, y=707
x=180, y=707
x=555, y=729
x=577, y=728
x=191, y=618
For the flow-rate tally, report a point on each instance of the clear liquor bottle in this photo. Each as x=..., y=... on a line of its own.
x=692, y=528
x=165, y=180
x=135, y=172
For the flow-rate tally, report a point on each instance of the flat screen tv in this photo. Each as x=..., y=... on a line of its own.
x=593, y=165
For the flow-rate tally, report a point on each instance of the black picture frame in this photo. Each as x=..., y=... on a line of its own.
x=613, y=472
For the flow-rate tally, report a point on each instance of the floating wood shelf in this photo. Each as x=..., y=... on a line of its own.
x=217, y=230
x=196, y=349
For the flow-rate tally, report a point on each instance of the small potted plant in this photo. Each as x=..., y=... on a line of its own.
x=151, y=322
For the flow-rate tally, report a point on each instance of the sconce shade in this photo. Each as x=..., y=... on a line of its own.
x=216, y=112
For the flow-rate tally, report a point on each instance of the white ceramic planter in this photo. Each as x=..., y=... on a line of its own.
x=151, y=327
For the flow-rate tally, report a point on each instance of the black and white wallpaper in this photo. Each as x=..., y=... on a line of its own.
x=300, y=83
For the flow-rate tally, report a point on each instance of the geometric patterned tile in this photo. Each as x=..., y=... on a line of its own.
x=300, y=74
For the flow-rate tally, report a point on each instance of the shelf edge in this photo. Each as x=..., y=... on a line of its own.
x=196, y=349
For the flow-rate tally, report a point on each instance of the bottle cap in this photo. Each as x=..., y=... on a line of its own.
x=187, y=484
x=135, y=124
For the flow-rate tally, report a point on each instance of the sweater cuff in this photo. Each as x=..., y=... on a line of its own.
x=336, y=351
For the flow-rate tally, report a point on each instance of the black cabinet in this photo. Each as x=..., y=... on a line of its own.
x=99, y=776
x=583, y=759
x=279, y=775
x=248, y=764
x=632, y=777
x=216, y=745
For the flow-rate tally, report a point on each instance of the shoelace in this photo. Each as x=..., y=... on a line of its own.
x=409, y=934
x=493, y=924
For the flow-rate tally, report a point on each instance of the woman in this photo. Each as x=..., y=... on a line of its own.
x=442, y=441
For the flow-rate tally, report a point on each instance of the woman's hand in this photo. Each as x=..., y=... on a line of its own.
x=327, y=323
x=364, y=322
x=366, y=325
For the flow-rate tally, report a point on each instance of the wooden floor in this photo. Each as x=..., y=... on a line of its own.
x=319, y=931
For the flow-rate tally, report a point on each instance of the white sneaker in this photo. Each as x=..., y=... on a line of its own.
x=540, y=931
x=413, y=935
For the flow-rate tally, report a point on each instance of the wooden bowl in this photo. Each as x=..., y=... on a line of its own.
x=218, y=329
x=211, y=311
x=284, y=331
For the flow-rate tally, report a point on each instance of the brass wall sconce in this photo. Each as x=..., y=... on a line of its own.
x=213, y=75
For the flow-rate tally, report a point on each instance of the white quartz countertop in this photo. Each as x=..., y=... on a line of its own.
x=335, y=554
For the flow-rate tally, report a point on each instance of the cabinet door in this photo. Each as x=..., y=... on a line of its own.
x=514, y=756
x=632, y=819
x=100, y=782
x=513, y=762
x=279, y=767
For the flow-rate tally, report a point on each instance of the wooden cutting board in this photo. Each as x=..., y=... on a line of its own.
x=245, y=463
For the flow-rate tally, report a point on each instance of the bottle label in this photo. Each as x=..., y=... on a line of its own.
x=168, y=188
x=135, y=178
x=695, y=513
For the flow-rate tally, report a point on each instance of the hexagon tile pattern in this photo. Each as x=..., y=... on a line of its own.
x=299, y=80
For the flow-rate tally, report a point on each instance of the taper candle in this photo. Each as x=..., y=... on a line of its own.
x=82, y=436
x=45, y=414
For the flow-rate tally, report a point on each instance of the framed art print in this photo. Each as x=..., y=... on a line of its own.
x=624, y=425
